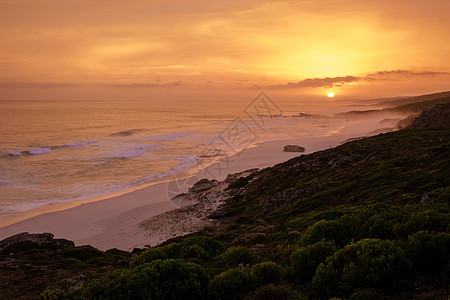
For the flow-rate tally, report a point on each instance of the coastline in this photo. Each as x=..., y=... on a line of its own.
x=112, y=221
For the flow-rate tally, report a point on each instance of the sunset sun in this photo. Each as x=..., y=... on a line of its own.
x=330, y=95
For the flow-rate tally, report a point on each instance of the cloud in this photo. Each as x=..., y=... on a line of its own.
x=329, y=82
x=145, y=85
x=317, y=82
x=36, y=85
x=402, y=73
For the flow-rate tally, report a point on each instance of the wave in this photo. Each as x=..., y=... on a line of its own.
x=167, y=137
x=127, y=132
x=130, y=152
x=47, y=149
x=37, y=151
x=187, y=162
x=80, y=144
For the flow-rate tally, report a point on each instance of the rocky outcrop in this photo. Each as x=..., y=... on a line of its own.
x=293, y=148
x=41, y=238
x=435, y=116
x=403, y=123
x=202, y=185
x=198, y=208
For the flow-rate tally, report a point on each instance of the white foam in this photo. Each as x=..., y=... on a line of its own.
x=15, y=153
x=167, y=137
x=80, y=144
x=130, y=152
x=38, y=151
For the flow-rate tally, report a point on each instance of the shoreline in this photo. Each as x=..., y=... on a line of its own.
x=112, y=221
x=84, y=221
x=68, y=204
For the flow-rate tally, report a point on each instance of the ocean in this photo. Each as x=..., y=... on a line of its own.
x=54, y=151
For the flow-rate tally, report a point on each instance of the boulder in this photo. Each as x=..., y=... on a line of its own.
x=41, y=238
x=293, y=148
x=203, y=185
x=403, y=123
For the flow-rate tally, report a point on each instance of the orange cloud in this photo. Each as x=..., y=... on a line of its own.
x=262, y=43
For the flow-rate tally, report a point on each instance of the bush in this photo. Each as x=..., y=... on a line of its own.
x=267, y=272
x=305, y=260
x=272, y=292
x=198, y=248
x=210, y=247
x=429, y=252
x=369, y=263
x=379, y=227
x=422, y=220
x=148, y=256
x=235, y=256
x=365, y=295
x=82, y=253
x=340, y=231
x=194, y=252
x=232, y=284
x=160, y=279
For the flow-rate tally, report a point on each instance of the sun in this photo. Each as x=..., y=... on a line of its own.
x=330, y=95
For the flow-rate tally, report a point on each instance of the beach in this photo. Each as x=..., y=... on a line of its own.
x=113, y=222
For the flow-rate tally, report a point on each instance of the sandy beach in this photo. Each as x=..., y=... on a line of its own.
x=113, y=221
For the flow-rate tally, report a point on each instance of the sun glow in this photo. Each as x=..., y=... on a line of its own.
x=330, y=95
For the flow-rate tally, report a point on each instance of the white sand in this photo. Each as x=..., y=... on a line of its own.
x=114, y=222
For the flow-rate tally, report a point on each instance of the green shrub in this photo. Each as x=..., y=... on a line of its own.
x=379, y=227
x=365, y=295
x=241, y=182
x=267, y=272
x=194, y=252
x=210, y=246
x=365, y=264
x=305, y=260
x=82, y=253
x=429, y=252
x=160, y=279
x=340, y=231
x=198, y=248
x=148, y=256
x=235, y=256
x=271, y=292
x=424, y=219
x=232, y=284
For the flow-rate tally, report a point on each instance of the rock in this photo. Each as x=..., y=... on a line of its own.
x=217, y=215
x=234, y=177
x=42, y=238
x=353, y=139
x=425, y=198
x=389, y=121
x=380, y=130
x=435, y=116
x=403, y=123
x=202, y=185
x=293, y=148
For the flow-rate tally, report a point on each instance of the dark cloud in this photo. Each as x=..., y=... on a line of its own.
x=36, y=85
x=145, y=85
x=401, y=73
x=329, y=82
x=317, y=82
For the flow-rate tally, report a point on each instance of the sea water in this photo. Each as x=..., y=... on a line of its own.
x=53, y=151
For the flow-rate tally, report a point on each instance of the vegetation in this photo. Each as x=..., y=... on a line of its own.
x=366, y=220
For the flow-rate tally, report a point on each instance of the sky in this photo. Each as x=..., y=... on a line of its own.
x=141, y=49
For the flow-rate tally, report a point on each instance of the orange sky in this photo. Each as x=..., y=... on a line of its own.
x=141, y=49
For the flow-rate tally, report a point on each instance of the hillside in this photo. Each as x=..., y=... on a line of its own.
x=409, y=106
x=366, y=220
x=409, y=100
